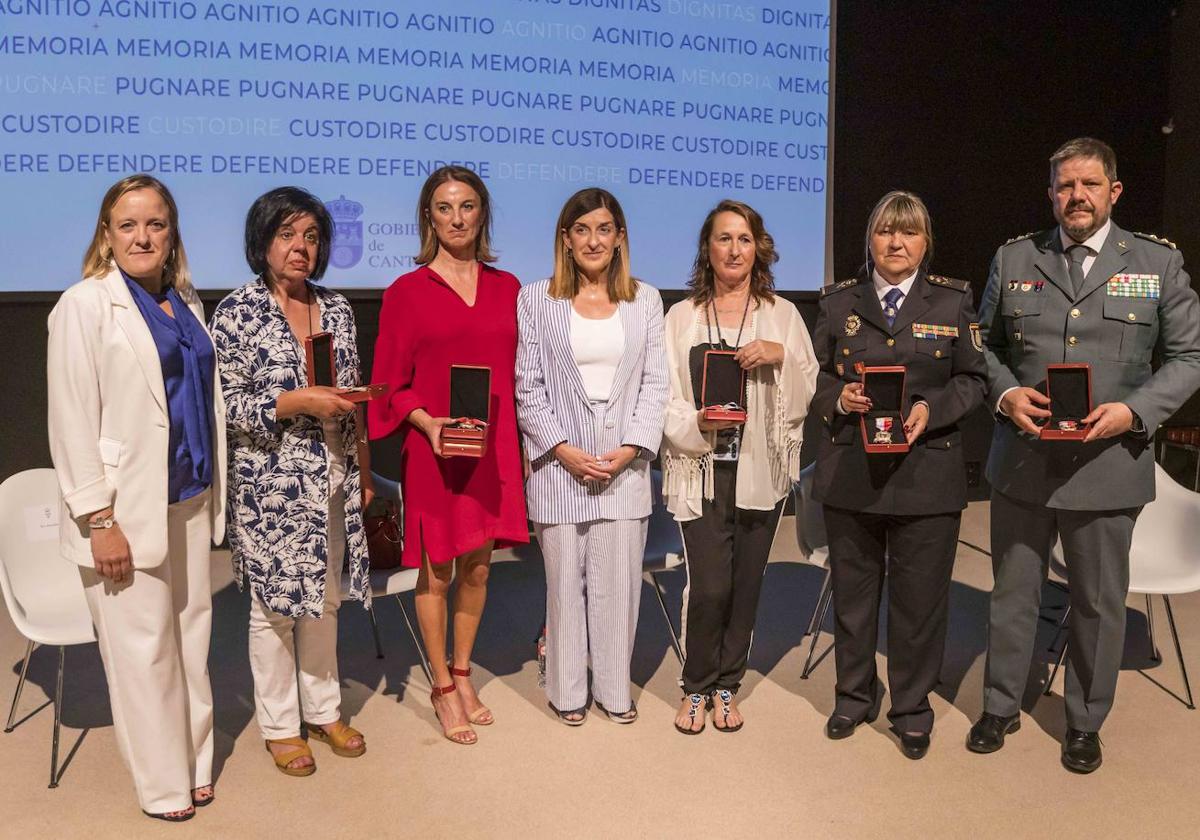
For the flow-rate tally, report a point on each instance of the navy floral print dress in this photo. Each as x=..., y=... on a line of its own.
x=279, y=469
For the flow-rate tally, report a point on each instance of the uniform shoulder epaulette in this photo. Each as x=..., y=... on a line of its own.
x=837, y=287
x=1167, y=242
x=1022, y=236
x=949, y=282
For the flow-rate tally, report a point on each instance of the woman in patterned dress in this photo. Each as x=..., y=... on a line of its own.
x=294, y=487
x=453, y=310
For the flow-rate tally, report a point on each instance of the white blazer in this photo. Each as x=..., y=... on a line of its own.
x=108, y=420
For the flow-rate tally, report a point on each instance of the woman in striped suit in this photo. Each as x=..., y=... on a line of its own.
x=591, y=392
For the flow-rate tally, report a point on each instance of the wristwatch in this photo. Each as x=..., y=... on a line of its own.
x=104, y=522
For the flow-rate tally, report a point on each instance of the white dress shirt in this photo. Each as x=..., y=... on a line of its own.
x=882, y=287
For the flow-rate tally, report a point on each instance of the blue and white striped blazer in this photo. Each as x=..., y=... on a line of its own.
x=552, y=407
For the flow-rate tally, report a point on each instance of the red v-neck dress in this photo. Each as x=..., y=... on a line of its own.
x=451, y=505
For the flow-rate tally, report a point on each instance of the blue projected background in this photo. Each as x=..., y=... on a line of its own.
x=670, y=104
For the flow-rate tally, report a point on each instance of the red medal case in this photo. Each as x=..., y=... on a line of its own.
x=470, y=403
x=1069, y=387
x=318, y=366
x=723, y=389
x=884, y=387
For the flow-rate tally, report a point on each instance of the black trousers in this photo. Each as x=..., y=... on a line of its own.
x=917, y=554
x=726, y=551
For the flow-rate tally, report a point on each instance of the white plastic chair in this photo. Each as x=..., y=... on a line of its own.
x=664, y=552
x=1163, y=559
x=42, y=590
x=814, y=548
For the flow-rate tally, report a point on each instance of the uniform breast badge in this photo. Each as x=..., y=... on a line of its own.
x=853, y=325
x=840, y=368
x=976, y=338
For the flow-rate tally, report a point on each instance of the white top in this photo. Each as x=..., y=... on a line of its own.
x=597, y=344
x=777, y=403
x=882, y=287
x=1093, y=243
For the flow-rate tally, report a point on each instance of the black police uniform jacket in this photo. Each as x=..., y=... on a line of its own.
x=935, y=337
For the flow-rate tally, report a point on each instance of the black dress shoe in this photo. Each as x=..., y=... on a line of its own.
x=840, y=726
x=987, y=735
x=914, y=744
x=1081, y=751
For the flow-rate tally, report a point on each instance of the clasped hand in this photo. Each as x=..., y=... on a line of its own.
x=585, y=466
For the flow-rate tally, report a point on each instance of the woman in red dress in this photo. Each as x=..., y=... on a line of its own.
x=453, y=310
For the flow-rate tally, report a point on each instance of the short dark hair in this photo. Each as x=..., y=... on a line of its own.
x=270, y=211
x=702, y=285
x=1085, y=147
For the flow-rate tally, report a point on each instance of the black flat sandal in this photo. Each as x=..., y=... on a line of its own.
x=698, y=702
x=724, y=697
x=564, y=715
x=619, y=717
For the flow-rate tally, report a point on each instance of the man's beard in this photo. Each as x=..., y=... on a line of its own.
x=1081, y=232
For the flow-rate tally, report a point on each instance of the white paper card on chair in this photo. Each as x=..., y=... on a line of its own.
x=41, y=523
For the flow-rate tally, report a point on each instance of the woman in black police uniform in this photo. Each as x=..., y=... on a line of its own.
x=905, y=507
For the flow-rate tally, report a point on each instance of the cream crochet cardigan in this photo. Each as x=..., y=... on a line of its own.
x=777, y=402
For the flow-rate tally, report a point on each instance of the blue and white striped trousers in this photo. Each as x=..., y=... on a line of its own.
x=593, y=591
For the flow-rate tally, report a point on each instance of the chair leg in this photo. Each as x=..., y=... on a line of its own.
x=1058, y=628
x=662, y=605
x=823, y=602
x=1062, y=654
x=375, y=631
x=12, y=712
x=812, y=619
x=416, y=642
x=1155, y=655
x=58, y=691
x=1191, y=704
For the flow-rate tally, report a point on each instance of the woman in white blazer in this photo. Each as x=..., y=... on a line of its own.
x=137, y=436
x=591, y=393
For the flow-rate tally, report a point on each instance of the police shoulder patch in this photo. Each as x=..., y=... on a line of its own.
x=949, y=282
x=837, y=287
x=1158, y=239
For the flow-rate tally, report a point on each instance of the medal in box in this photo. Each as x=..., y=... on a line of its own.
x=883, y=426
x=1069, y=387
x=470, y=404
x=723, y=388
x=318, y=366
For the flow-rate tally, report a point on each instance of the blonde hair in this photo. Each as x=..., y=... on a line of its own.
x=904, y=210
x=565, y=282
x=429, y=240
x=98, y=259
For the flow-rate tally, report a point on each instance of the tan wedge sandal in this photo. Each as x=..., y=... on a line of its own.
x=338, y=738
x=282, y=760
x=452, y=734
x=476, y=717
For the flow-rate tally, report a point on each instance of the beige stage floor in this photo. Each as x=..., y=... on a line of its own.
x=531, y=777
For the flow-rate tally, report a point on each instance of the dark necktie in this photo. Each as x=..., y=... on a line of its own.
x=1075, y=257
x=891, y=304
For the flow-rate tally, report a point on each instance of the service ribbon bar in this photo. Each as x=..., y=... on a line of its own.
x=934, y=331
x=1134, y=286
